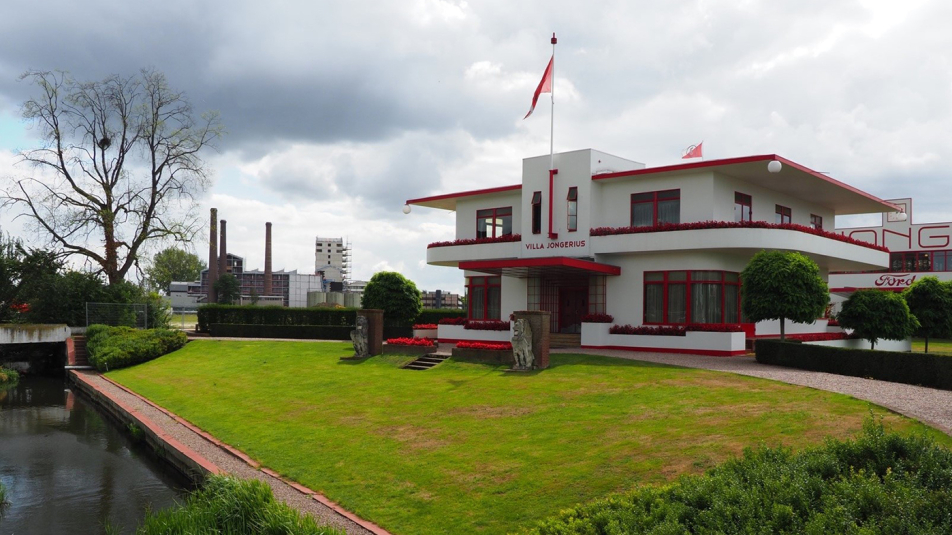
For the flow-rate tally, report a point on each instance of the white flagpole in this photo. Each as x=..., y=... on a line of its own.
x=552, y=114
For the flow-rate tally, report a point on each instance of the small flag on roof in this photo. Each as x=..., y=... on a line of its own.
x=694, y=151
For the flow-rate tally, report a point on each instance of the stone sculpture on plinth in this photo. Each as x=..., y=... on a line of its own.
x=361, y=338
x=522, y=345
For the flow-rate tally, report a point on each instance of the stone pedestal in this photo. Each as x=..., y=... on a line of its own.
x=539, y=323
x=375, y=329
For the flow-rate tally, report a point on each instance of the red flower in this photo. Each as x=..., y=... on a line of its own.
x=476, y=241
x=676, y=330
x=425, y=342
x=491, y=346
x=487, y=325
x=423, y=326
x=21, y=308
x=598, y=318
x=453, y=321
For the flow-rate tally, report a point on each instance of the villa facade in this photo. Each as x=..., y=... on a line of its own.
x=659, y=246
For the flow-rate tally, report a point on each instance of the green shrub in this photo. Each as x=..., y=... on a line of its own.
x=434, y=315
x=227, y=505
x=297, y=332
x=8, y=377
x=910, y=368
x=110, y=348
x=396, y=295
x=879, y=483
x=274, y=315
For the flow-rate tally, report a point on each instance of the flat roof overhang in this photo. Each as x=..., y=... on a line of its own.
x=793, y=179
x=533, y=267
x=448, y=201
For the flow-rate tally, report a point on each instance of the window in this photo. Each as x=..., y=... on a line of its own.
x=921, y=261
x=679, y=297
x=656, y=208
x=537, y=212
x=742, y=207
x=572, y=209
x=484, y=297
x=782, y=215
x=816, y=222
x=494, y=222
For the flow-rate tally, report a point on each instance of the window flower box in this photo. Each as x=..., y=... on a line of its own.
x=731, y=343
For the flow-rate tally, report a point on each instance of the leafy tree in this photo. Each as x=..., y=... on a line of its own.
x=396, y=295
x=119, y=166
x=780, y=285
x=173, y=264
x=228, y=289
x=875, y=315
x=930, y=301
x=10, y=262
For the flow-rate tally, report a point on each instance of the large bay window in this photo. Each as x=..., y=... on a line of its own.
x=742, y=207
x=656, y=207
x=680, y=297
x=484, y=297
x=494, y=222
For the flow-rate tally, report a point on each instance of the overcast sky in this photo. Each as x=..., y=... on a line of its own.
x=337, y=112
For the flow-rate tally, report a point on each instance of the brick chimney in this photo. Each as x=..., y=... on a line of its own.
x=213, y=256
x=223, y=252
x=267, y=259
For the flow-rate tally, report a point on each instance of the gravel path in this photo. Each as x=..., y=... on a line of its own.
x=928, y=405
x=226, y=461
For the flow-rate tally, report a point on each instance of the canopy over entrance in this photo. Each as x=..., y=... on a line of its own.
x=523, y=268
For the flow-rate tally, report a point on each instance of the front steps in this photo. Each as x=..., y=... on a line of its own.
x=426, y=362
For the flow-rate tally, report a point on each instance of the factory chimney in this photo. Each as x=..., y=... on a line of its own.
x=267, y=258
x=222, y=253
x=213, y=256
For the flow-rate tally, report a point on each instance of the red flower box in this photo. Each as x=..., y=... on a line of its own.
x=425, y=342
x=676, y=330
x=476, y=241
x=453, y=321
x=665, y=227
x=424, y=326
x=491, y=346
x=820, y=337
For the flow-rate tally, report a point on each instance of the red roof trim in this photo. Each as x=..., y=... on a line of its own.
x=554, y=261
x=739, y=160
x=465, y=194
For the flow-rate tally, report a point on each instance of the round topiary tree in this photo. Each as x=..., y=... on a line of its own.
x=396, y=295
x=875, y=315
x=781, y=285
x=930, y=301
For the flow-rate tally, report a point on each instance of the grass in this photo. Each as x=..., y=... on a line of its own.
x=183, y=321
x=938, y=346
x=467, y=448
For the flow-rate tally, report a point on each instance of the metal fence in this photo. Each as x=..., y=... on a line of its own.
x=118, y=314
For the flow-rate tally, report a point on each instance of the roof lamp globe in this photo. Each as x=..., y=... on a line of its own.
x=406, y=208
x=902, y=216
x=774, y=166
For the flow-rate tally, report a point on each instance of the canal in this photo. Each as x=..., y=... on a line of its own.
x=66, y=469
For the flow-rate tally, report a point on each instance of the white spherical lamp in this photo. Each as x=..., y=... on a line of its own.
x=406, y=208
x=902, y=216
x=774, y=166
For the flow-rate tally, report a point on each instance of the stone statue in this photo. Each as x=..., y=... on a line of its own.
x=361, y=338
x=522, y=345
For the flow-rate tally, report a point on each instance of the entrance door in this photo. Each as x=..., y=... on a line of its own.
x=573, y=304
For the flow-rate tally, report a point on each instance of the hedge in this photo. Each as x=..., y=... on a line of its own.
x=910, y=368
x=275, y=315
x=110, y=348
x=295, y=332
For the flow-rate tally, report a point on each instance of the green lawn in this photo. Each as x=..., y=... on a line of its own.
x=939, y=346
x=467, y=448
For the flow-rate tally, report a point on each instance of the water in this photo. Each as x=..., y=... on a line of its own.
x=67, y=470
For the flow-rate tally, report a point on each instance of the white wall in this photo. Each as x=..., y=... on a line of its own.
x=466, y=208
x=764, y=203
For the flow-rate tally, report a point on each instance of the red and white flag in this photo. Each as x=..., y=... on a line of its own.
x=694, y=151
x=545, y=86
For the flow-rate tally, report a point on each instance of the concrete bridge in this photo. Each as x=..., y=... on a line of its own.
x=41, y=347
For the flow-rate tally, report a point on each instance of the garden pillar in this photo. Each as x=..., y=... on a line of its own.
x=374, y=329
x=539, y=323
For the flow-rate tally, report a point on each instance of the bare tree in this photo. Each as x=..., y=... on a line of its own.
x=119, y=166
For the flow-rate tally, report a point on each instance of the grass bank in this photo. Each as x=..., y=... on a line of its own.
x=467, y=448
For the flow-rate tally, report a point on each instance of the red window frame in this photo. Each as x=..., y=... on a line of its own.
x=494, y=214
x=816, y=222
x=536, y=212
x=783, y=215
x=688, y=281
x=917, y=261
x=483, y=284
x=653, y=197
x=743, y=204
x=571, y=209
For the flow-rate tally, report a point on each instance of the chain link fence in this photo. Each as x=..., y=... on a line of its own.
x=118, y=314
